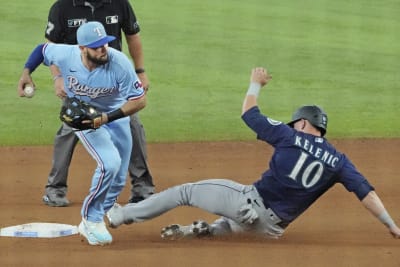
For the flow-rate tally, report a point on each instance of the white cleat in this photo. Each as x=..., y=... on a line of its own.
x=95, y=233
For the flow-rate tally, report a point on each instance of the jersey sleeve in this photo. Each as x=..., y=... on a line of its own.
x=353, y=180
x=48, y=54
x=56, y=54
x=130, y=86
x=267, y=129
x=54, y=30
x=130, y=24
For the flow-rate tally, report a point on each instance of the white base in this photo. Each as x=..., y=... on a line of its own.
x=38, y=229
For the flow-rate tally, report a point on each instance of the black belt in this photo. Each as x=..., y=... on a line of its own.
x=281, y=224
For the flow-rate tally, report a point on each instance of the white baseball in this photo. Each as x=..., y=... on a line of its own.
x=29, y=91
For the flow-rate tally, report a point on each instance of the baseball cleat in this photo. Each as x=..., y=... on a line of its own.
x=135, y=199
x=200, y=228
x=115, y=216
x=174, y=232
x=95, y=233
x=55, y=200
x=196, y=229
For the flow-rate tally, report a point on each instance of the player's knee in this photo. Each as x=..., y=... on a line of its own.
x=112, y=166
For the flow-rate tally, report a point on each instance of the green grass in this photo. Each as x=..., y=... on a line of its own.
x=342, y=55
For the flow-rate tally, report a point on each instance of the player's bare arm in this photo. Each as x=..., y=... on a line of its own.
x=133, y=106
x=259, y=77
x=127, y=109
x=130, y=107
x=374, y=204
x=34, y=60
x=58, y=81
x=136, y=52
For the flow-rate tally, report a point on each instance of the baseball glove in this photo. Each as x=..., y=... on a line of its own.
x=80, y=115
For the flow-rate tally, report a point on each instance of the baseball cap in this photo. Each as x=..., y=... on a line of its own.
x=92, y=34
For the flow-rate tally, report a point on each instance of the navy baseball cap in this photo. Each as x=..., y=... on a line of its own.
x=92, y=34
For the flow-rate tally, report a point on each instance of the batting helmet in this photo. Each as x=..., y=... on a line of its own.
x=314, y=114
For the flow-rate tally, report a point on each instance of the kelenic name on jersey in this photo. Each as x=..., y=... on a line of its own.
x=317, y=152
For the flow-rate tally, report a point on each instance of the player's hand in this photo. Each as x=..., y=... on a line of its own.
x=395, y=231
x=96, y=122
x=144, y=80
x=24, y=80
x=260, y=75
x=247, y=214
x=59, y=88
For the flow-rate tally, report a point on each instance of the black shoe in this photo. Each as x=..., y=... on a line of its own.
x=135, y=199
x=55, y=200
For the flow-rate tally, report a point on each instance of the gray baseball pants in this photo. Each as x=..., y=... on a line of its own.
x=64, y=145
x=218, y=196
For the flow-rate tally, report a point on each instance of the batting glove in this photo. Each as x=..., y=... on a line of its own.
x=247, y=214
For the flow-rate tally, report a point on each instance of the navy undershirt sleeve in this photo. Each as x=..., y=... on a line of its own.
x=35, y=58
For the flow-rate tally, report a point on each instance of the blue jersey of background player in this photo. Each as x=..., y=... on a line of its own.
x=107, y=87
x=105, y=78
x=304, y=166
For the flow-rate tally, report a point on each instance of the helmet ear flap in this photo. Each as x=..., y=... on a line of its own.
x=314, y=114
x=291, y=124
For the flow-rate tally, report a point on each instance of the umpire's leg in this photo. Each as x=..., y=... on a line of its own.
x=64, y=144
x=141, y=179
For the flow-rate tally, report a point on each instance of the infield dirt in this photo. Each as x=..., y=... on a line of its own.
x=335, y=231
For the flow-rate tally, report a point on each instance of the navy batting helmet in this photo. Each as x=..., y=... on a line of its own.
x=314, y=114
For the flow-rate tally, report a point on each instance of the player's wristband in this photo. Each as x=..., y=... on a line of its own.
x=139, y=70
x=115, y=115
x=385, y=218
x=254, y=89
